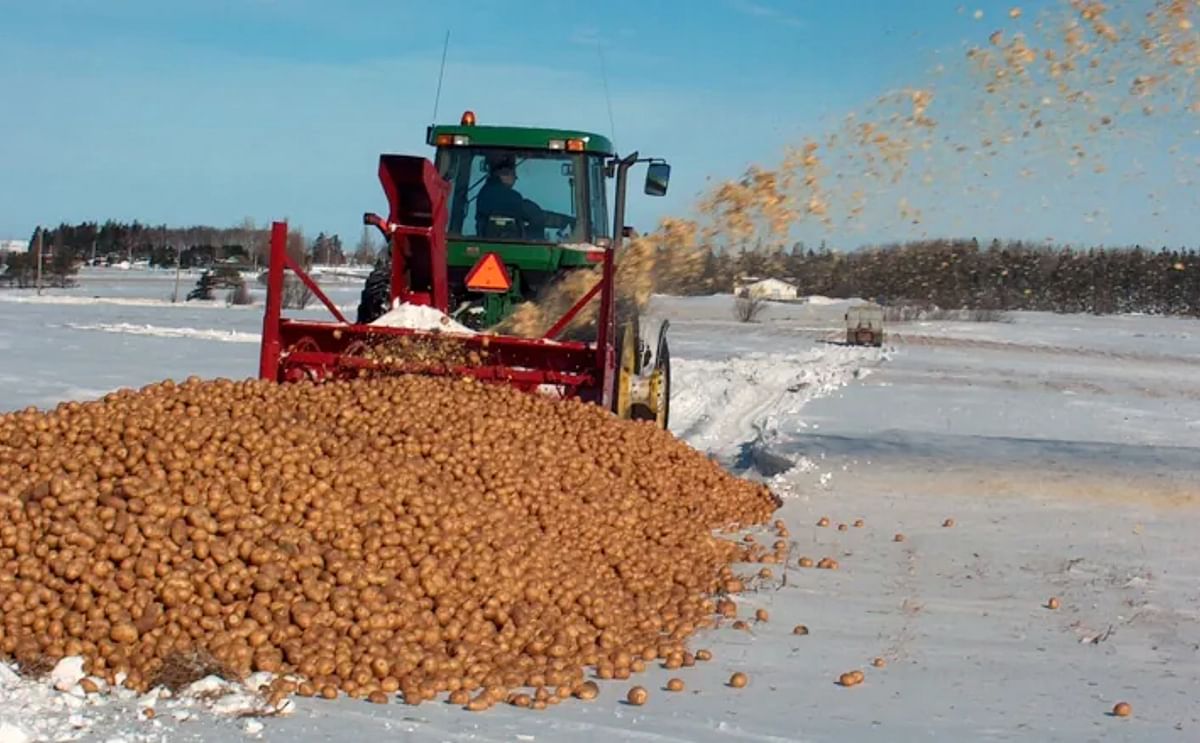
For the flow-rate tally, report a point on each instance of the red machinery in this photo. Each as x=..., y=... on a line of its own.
x=295, y=350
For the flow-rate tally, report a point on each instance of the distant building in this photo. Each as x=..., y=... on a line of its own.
x=14, y=246
x=741, y=282
x=767, y=289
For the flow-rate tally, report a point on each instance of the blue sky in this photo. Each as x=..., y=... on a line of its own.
x=206, y=112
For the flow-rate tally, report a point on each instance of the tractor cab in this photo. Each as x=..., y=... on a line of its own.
x=523, y=186
x=513, y=196
x=535, y=200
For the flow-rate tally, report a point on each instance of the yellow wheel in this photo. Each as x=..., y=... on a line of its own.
x=626, y=371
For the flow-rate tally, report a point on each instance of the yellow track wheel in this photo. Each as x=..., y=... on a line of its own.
x=626, y=371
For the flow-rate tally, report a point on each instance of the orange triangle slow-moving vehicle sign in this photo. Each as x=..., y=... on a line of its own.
x=489, y=275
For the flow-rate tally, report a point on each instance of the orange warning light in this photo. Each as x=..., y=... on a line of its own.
x=489, y=275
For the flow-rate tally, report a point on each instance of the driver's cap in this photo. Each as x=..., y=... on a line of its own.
x=501, y=161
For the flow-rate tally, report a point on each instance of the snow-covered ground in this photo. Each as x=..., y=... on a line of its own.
x=120, y=329
x=1066, y=449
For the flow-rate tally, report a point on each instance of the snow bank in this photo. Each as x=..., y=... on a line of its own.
x=56, y=708
x=67, y=673
x=420, y=317
x=807, y=312
x=63, y=299
x=817, y=299
x=33, y=710
x=735, y=406
x=12, y=734
x=208, y=334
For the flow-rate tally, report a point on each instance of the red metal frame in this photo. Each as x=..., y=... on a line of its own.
x=294, y=350
x=417, y=223
x=570, y=314
x=272, y=346
x=606, y=355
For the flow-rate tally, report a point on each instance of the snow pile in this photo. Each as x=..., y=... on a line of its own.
x=229, y=699
x=746, y=409
x=34, y=710
x=740, y=399
x=58, y=708
x=67, y=673
x=818, y=300
x=421, y=317
x=207, y=334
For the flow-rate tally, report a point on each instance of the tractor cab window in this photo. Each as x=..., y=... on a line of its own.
x=516, y=195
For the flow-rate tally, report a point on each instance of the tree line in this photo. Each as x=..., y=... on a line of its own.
x=947, y=273
x=67, y=246
x=962, y=274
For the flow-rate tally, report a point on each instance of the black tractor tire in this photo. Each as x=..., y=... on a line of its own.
x=374, y=302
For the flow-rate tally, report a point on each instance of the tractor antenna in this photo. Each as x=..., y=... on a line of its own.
x=441, y=74
x=612, y=126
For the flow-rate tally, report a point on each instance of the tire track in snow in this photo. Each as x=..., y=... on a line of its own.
x=159, y=331
x=732, y=407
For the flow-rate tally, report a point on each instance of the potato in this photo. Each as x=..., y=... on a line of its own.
x=587, y=690
x=303, y=529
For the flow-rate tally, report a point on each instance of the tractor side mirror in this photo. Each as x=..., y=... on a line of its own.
x=658, y=175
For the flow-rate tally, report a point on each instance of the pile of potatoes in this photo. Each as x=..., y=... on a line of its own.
x=412, y=534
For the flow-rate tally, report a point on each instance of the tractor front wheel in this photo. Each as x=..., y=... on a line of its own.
x=642, y=394
x=376, y=294
x=628, y=367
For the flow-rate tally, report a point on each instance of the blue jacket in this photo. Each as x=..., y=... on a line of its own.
x=497, y=199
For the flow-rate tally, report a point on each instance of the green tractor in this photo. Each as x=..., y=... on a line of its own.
x=536, y=197
x=535, y=201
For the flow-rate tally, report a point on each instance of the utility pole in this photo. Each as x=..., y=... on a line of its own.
x=38, y=248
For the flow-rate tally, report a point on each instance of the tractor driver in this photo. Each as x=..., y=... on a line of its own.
x=519, y=217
